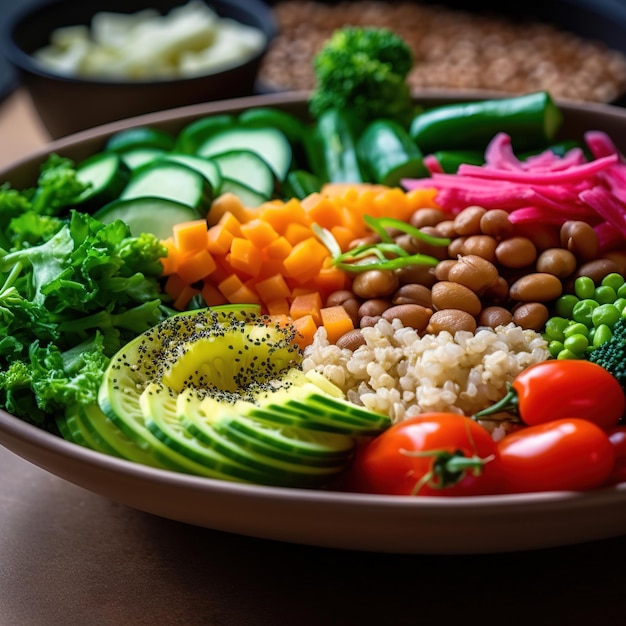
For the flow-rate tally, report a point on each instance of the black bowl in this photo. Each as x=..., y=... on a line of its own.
x=68, y=104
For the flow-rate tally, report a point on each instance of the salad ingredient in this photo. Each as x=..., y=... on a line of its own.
x=363, y=70
x=139, y=214
x=530, y=120
x=72, y=291
x=170, y=180
x=562, y=454
x=190, y=40
x=434, y=454
x=611, y=355
x=388, y=153
x=544, y=188
x=400, y=373
x=557, y=389
x=617, y=437
x=586, y=319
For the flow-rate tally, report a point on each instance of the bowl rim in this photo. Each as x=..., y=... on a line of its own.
x=24, y=62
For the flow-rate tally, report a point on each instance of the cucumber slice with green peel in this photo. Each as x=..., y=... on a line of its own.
x=270, y=117
x=135, y=158
x=148, y=215
x=173, y=181
x=205, y=166
x=248, y=168
x=106, y=432
x=199, y=423
x=106, y=175
x=269, y=143
x=192, y=136
x=249, y=197
x=70, y=431
x=305, y=445
x=159, y=408
x=140, y=137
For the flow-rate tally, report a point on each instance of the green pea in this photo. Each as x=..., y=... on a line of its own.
x=602, y=335
x=613, y=280
x=554, y=347
x=620, y=304
x=584, y=287
x=566, y=354
x=555, y=327
x=583, y=310
x=564, y=305
x=606, y=314
x=576, y=329
x=621, y=292
x=576, y=344
x=604, y=294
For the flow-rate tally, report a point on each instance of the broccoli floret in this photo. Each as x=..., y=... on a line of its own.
x=611, y=355
x=364, y=70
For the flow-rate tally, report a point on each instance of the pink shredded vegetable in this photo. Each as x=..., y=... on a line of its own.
x=544, y=188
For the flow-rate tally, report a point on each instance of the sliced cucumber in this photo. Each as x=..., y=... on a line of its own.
x=249, y=197
x=270, y=117
x=173, y=181
x=199, y=422
x=248, y=168
x=148, y=215
x=106, y=174
x=192, y=136
x=140, y=137
x=159, y=408
x=206, y=167
x=269, y=143
x=135, y=158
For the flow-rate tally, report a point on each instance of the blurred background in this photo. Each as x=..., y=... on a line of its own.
x=576, y=49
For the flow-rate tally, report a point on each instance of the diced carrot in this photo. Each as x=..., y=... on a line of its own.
x=169, y=262
x=227, y=203
x=307, y=304
x=184, y=297
x=196, y=265
x=259, y=232
x=174, y=285
x=295, y=233
x=243, y=295
x=277, y=307
x=336, y=321
x=320, y=210
x=306, y=258
x=305, y=330
x=273, y=288
x=231, y=223
x=190, y=235
x=344, y=236
x=222, y=270
x=277, y=249
x=230, y=285
x=245, y=256
x=219, y=239
x=330, y=279
x=280, y=216
x=211, y=295
x=422, y=198
x=269, y=267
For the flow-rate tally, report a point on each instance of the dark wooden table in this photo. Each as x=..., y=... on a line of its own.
x=70, y=557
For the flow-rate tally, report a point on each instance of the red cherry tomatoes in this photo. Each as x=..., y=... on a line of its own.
x=617, y=437
x=434, y=454
x=555, y=389
x=564, y=454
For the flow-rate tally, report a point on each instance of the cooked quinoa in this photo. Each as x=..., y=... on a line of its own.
x=399, y=373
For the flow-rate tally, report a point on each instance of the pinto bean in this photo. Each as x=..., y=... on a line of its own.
x=375, y=283
x=413, y=294
x=473, y=271
x=537, y=287
x=531, y=315
x=451, y=320
x=411, y=315
x=351, y=340
x=516, y=252
x=467, y=222
x=449, y=295
x=494, y=316
x=557, y=261
x=579, y=238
